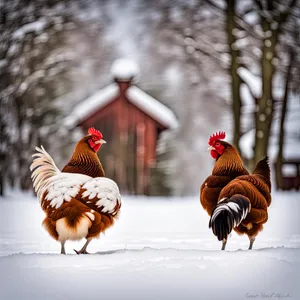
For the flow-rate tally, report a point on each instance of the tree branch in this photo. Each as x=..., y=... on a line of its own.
x=214, y=5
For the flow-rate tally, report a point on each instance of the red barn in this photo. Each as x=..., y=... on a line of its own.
x=131, y=122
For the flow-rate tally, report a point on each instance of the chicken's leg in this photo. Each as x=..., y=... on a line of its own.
x=224, y=242
x=62, y=251
x=83, y=249
x=252, y=239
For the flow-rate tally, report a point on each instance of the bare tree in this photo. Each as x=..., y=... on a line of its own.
x=36, y=68
x=273, y=16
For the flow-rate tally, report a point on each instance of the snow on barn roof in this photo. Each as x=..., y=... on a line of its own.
x=158, y=111
x=125, y=69
x=152, y=107
x=87, y=107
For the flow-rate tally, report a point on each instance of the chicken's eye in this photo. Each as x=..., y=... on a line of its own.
x=217, y=144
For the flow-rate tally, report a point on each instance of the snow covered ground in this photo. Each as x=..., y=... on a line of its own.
x=161, y=248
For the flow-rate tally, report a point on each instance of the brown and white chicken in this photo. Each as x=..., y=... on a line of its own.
x=79, y=202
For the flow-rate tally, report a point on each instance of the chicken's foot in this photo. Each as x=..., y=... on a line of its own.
x=83, y=249
x=252, y=239
x=62, y=251
x=224, y=242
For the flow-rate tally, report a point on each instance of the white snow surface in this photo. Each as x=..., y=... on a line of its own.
x=89, y=106
x=160, y=248
x=125, y=69
x=152, y=107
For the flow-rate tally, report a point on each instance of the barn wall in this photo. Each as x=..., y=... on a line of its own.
x=128, y=156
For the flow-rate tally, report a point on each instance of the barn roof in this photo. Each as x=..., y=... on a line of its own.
x=95, y=102
x=152, y=107
x=146, y=103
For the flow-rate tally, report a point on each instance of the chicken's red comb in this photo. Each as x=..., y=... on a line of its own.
x=97, y=133
x=219, y=135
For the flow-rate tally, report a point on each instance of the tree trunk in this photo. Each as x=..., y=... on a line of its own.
x=282, y=120
x=264, y=114
x=265, y=106
x=235, y=79
x=3, y=160
x=1, y=185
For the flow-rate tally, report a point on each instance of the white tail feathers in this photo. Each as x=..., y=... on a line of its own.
x=43, y=168
x=100, y=193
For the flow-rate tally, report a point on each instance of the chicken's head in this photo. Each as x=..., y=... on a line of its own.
x=95, y=140
x=216, y=146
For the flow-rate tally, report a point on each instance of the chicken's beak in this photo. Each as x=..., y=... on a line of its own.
x=100, y=142
x=211, y=148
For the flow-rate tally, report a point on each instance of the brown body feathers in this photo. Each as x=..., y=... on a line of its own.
x=232, y=197
x=228, y=166
x=84, y=161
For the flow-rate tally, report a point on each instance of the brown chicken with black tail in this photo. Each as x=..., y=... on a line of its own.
x=240, y=204
x=79, y=202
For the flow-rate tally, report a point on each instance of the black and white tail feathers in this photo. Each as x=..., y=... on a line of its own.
x=228, y=214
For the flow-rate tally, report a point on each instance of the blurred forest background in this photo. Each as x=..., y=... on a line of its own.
x=220, y=65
